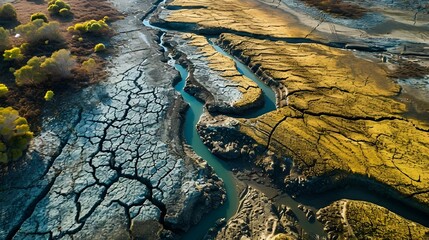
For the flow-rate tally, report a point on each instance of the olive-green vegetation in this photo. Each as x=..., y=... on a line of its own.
x=49, y=95
x=3, y=90
x=40, y=69
x=13, y=54
x=96, y=27
x=348, y=219
x=39, y=16
x=15, y=134
x=4, y=39
x=100, y=47
x=38, y=30
x=89, y=64
x=8, y=12
x=59, y=7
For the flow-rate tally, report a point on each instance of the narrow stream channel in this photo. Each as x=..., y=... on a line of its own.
x=192, y=138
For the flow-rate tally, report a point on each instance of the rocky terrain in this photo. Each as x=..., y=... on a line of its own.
x=110, y=159
x=258, y=218
x=347, y=219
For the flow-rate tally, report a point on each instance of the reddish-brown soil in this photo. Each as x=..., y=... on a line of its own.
x=338, y=8
x=408, y=69
x=29, y=100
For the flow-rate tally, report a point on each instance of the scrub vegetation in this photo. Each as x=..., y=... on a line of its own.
x=338, y=8
x=45, y=48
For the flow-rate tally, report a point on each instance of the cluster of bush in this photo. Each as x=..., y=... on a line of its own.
x=59, y=7
x=15, y=134
x=96, y=27
x=39, y=30
x=38, y=68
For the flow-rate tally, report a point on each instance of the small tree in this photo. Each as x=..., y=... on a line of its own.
x=8, y=12
x=4, y=39
x=15, y=134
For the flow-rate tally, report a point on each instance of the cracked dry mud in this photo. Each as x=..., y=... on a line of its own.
x=110, y=159
x=347, y=219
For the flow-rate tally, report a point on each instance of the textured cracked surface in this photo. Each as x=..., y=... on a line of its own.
x=339, y=117
x=105, y=158
x=348, y=219
x=257, y=218
x=248, y=17
x=228, y=90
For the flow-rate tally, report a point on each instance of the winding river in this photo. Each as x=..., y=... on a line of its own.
x=223, y=170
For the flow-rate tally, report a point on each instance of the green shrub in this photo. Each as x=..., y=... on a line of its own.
x=89, y=66
x=91, y=26
x=13, y=54
x=49, y=95
x=59, y=7
x=32, y=73
x=60, y=64
x=40, y=69
x=15, y=134
x=37, y=31
x=39, y=16
x=4, y=39
x=99, y=47
x=8, y=12
x=3, y=90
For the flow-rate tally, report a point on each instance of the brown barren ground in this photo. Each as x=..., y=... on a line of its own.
x=338, y=8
